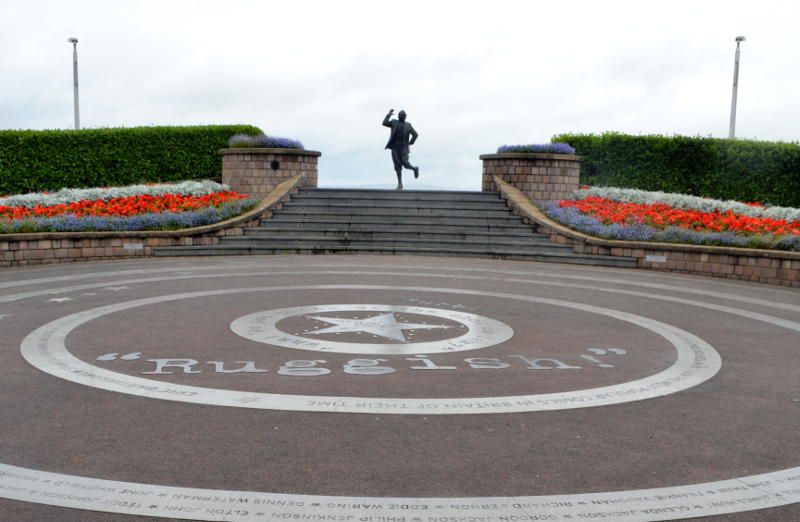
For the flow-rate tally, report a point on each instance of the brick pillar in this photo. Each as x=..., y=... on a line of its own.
x=542, y=177
x=256, y=172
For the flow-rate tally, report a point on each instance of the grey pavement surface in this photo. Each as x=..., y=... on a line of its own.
x=385, y=388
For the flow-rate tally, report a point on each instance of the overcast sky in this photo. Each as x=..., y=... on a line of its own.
x=471, y=75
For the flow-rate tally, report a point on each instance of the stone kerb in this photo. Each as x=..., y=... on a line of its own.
x=257, y=171
x=541, y=177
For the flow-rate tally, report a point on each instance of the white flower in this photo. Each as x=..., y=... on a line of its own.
x=66, y=196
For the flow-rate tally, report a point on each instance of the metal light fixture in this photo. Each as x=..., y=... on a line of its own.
x=74, y=42
x=732, y=128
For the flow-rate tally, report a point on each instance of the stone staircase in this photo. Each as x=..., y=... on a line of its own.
x=440, y=223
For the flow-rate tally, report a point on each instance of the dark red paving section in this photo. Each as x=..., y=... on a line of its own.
x=744, y=421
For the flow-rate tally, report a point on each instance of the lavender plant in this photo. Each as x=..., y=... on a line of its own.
x=545, y=148
x=263, y=141
x=240, y=141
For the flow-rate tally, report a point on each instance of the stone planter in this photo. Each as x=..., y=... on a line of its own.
x=258, y=171
x=541, y=177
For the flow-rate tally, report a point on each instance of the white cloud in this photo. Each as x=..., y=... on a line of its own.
x=471, y=75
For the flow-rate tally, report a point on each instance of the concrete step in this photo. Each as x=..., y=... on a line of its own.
x=395, y=195
x=428, y=223
x=394, y=204
x=483, y=234
x=381, y=243
x=569, y=258
x=438, y=212
x=277, y=226
x=478, y=220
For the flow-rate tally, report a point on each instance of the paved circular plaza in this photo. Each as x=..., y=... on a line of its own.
x=383, y=389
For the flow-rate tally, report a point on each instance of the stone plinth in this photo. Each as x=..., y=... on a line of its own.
x=258, y=171
x=541, y=177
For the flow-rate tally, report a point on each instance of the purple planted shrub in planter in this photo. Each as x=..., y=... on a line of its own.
x=263, y=141
x=543, y=148
x=240, y=141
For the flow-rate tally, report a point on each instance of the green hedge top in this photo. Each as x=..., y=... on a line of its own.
x=741, y=170
x=33, y=161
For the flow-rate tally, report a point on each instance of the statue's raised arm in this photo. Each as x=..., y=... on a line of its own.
x=386, y=122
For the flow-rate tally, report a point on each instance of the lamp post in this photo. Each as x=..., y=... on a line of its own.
x=74, y=42
x=732, y=129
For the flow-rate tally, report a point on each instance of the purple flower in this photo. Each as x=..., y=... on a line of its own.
x=240, y=141
x=263, y=141
x=545, y=148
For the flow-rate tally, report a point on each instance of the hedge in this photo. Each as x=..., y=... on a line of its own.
x=33, y=161
x=741, y=170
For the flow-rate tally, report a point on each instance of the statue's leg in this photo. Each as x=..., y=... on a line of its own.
x=398, y=167
x=408, y=165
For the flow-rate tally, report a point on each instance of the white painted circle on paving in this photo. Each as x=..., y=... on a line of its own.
x=773, y=489
x=696, y=362
x=379, y=321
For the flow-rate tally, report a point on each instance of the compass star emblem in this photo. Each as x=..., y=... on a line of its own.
x=387, y=326
x=383, y=325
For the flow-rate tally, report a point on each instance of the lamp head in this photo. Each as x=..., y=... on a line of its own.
x=740, y=38
x=72, y=40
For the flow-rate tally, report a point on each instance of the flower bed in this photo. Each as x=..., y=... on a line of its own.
x=139, y=207
x=654, y=216
x=689, y=202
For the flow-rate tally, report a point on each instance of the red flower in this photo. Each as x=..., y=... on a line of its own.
x=661, y=216
x=127, y=206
